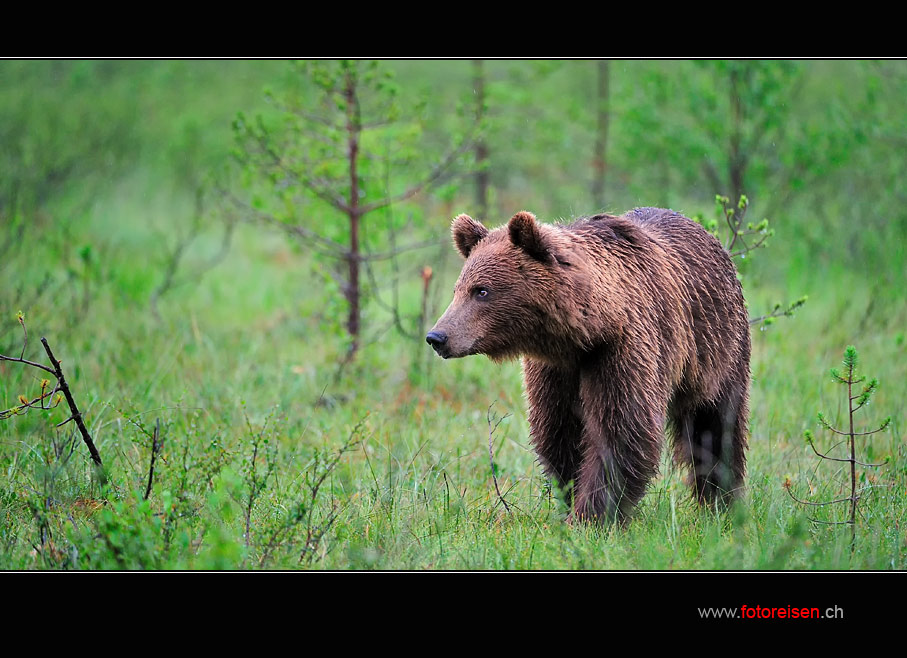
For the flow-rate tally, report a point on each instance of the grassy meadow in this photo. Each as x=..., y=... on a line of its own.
x=123, y=243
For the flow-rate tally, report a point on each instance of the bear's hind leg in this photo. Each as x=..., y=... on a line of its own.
x=711, y=440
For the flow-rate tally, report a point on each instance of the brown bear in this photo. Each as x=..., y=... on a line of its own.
x=625, y=325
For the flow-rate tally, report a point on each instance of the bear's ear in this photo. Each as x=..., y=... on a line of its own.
x=529, y=235
x=466, y=233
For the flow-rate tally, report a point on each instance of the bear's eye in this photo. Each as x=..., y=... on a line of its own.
x=480, y=293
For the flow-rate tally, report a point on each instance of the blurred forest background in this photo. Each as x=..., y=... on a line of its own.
x=237, y=261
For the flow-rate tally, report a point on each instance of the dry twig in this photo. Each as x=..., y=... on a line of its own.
x=491, y=430
x=61, y=385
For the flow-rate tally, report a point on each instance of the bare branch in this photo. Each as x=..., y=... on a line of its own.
x=76, y=414
x=335, y=248
x=733, y=224
x=829, y=522
x=314, y=534
x=435, y=174
x=314, y=118
x=396, y=251
x=317, y=189
x=170, y=280
x=491, y=430
x=778, y=311
x=837, y=459
x=21, y=319
x=806, y=502
x=26, y=362
x=156, y=445
x=30, y=404
x=829, y=427
x=748, y=248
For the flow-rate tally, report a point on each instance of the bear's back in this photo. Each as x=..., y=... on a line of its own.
x=639, y=228
x=669, y=226
x=700, y=262
x=700, y=257
x=707, y=274
x=666, y=262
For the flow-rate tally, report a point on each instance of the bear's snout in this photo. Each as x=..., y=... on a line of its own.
x=437, y=339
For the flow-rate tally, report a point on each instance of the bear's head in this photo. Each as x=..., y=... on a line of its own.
x=507, y=301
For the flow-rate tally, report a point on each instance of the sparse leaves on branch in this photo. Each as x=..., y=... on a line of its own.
x=739, y=239
x=60, y=385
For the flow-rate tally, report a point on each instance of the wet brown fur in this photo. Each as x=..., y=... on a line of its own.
x=625, y=325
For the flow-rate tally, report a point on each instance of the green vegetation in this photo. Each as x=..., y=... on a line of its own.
x=857, y=398
x=191, y=330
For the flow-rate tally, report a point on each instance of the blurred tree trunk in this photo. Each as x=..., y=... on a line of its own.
x=603, y=114
x=737, y=160
x=478, y=81
x=662, y=99
x=353, y=128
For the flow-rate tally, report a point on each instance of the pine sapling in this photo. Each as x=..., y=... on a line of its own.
x=855, y=401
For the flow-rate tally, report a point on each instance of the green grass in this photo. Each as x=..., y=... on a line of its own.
x=256, y=342
x=245, y=360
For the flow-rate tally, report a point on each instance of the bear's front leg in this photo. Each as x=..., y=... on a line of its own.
x=555, y=419
x=621, y=444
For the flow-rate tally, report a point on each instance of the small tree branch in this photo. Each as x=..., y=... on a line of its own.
x=156, y=445
x=334, y=248
x=175, y=257
x=837, y=459
x=779, y=311
x=28, y=363
x=314, y=534
x=748, y=248
x=733, y=224
x=806, y=502
x=491, y=430
x=829, y=522
x=76, y=414
x=30, y=404
x=396, y=251
x=322, y=193
x=829, y=427
x=435, y=174
x=24, y=342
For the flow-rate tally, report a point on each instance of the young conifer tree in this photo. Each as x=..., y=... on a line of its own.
x=340, y=151
x=859, y=393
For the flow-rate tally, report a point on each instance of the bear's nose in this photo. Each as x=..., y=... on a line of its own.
x=436, y=338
